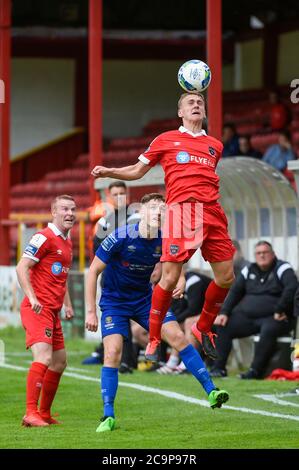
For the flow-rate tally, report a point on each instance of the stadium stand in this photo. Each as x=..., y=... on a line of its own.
x=248, y=110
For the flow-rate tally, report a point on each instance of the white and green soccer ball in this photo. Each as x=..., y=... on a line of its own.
x=194, y=75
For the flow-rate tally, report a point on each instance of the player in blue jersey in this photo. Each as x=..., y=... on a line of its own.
x=129, y=256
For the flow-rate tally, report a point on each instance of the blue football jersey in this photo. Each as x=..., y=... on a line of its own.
x=130, y=261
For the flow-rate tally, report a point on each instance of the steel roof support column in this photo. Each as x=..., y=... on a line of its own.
x=95, y=87
x=214, y=60
x=5, y=52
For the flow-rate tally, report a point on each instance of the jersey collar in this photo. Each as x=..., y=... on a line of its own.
x=184, y=130
x=57, y=231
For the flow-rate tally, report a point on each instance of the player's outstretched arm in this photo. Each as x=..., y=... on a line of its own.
x=23, y=273
x=97, y=266
x=131, y=172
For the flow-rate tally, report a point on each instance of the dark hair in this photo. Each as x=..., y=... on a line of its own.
x=263, y=242
x=117, y=184
x=236, y=245
x=58, y=198
x=230, y=125
x=152, y=196
x=245, y=136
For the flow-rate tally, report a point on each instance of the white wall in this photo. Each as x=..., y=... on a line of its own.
x=42, y=101
x=248, y=64
x=288, y=52
x=134, y=92
x=228, y=74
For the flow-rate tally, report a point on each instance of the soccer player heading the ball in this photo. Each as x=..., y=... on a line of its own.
x=194, y=216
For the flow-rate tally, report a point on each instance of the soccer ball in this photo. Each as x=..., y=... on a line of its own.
x=194, y=75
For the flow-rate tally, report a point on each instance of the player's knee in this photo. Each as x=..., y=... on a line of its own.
x=168, y=281
x=58, y=365
x=44, y=358
x=226, y=279
x=112, y=357
x=188, y=323
x=62, y=365
x=178, y=340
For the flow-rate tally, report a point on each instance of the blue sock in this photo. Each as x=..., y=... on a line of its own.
x=196, y=366
x=109, y=385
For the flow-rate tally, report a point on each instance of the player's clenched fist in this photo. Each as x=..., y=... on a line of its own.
x=100, y=172
x=35, y=305
x=91, y=323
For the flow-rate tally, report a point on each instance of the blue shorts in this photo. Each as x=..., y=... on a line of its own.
x=116, y=320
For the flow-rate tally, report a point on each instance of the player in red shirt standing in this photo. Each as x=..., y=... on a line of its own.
x=195, y=218
x=42, y=273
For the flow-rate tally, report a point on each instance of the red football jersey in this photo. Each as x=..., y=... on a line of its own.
x=189, y=162
x=52, y=253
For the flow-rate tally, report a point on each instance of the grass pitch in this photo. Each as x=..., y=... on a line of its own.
x=152, y=411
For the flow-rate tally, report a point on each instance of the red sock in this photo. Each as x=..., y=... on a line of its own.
x=161, y=301
x=35, y=379
x=50, y=385
x=214, y=298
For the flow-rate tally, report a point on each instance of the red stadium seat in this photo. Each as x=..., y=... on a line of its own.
x=295, y=137
x=82, y=161
x=131, y=143
x=262, y=142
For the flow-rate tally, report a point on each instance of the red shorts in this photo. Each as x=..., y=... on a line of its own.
x=192, y=225
x=43, y=327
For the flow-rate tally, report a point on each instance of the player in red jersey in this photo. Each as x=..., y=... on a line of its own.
x=42, y=273
x=195, y=218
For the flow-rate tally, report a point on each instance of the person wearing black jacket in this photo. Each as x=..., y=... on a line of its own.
x=193, y=300
x=259, y=302
x=296, y=303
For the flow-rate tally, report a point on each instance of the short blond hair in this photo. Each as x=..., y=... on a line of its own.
x=184, y=95
x=58, y=198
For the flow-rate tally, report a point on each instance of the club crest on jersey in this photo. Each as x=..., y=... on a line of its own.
x=48, y=332
x=174, y=249
x=212, y=151
x=56, y=268
x=158, y=251
x=183, y=157
x=108, y=320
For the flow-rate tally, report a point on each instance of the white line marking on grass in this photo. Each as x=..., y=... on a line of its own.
x=28, y=353
x=88, y=371
x=11, y=366
x=74, y=369
x=275, y=399
x=169, y=394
